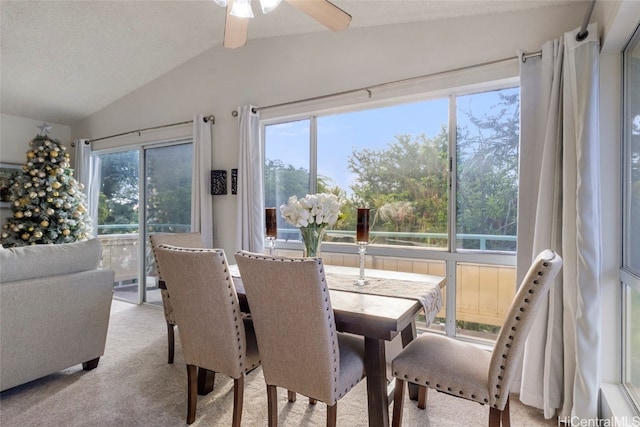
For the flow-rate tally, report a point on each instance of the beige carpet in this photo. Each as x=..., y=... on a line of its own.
x=134, y=386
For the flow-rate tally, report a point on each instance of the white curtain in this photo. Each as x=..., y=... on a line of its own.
x=559, y=209
x=250, y=202
x=87, y=173
x=201, y=200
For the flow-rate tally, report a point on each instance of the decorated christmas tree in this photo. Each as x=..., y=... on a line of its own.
x=47, y=202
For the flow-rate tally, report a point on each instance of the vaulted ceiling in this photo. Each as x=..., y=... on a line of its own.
x=62, y=61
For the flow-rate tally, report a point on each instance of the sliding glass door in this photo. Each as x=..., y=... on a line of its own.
x=142, y=190
x=167, y=202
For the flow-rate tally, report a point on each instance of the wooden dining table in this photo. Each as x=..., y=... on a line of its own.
x=379, y=319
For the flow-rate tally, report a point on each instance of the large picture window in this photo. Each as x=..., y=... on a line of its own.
x=405, y=164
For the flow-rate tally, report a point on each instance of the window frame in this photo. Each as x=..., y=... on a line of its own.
x=629, y=277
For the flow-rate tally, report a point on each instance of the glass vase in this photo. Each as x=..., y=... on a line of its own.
x=312, y=238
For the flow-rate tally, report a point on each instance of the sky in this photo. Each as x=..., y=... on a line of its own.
x=340, y=134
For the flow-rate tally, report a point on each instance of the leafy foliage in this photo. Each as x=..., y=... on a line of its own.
x=119, y=189
x=168, y=188
x=405, y=183
x=488, y=172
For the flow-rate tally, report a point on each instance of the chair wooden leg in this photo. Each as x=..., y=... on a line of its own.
x=422, y=397
x=398, y=400
x=171, y=341
x=291, y=396
x=499, y=418
x=238, y=396
x=506, y=418
x=192, y=396
x=206, y=380
x=272, y=405
x=494, y=417
x=332, y=415
x=312, y=401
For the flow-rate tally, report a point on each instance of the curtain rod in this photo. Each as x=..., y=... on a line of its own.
x=368, y=89
x=211, y=118
x=583, y=33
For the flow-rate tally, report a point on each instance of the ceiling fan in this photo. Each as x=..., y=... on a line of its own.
x=239, y=12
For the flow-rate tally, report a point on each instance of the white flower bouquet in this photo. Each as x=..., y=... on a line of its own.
x=312, y=214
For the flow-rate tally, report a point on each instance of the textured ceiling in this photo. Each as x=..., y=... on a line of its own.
x=62, y=61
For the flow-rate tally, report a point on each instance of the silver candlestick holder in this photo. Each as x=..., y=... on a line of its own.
x=272, y=245
x=362, y=250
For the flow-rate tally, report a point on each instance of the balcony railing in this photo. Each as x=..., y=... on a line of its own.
x=133, y=228
x=483, y=292
x=408, y=237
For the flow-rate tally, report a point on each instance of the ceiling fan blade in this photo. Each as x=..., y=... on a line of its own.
x=235, y=29
x=325, y=12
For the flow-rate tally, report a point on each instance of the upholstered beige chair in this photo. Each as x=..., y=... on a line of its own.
x=467, y=371
x=184, y=240
x=296, y=332
x=213, y=333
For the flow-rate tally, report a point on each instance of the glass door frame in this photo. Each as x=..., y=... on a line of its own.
x=142, y=215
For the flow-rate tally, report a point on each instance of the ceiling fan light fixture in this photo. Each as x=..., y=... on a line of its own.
x=269, y=5
x=222, y=3
x=242, y=9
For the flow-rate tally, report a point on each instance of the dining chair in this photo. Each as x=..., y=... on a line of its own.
x=300, y=348
x=213, y=333
x=186, y=240
x=464, y=370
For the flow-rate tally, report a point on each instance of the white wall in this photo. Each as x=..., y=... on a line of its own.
x=282, y=69
x=16, y=132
